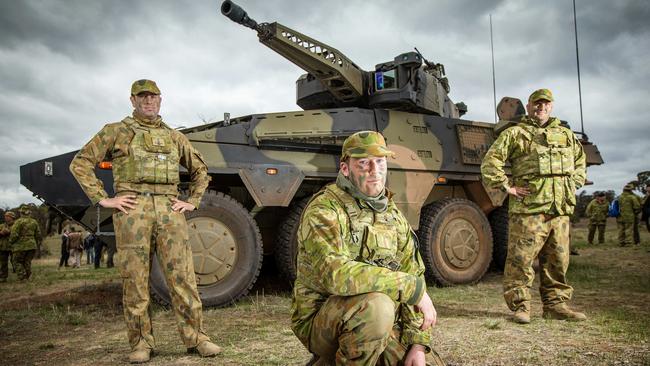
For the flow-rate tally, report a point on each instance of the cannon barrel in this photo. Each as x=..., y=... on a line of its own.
x=237, y=14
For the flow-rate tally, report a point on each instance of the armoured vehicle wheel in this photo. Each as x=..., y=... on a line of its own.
x=455, y=241
x=499, y=223
x=286, y=243
x=227, y=251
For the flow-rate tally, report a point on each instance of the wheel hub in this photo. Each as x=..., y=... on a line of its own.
x=460, y=243
x=214, y=249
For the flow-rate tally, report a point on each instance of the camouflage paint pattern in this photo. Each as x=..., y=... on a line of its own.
x=359, y=330
x=346, y=249
x=548, y=160
x=597, y=214
x=113, y=143
x=153, y=230
x=537, y=236
x=25, y=234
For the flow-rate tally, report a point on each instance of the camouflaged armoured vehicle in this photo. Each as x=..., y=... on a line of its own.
x=265, y=167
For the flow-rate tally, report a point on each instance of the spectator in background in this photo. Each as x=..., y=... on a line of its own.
x=89, y=247
x=75, y=246
x=65, y=254
x=630, y=208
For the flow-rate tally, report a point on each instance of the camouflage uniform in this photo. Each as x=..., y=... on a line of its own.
x=550, y=162
x=629, y=208
x=5, y=250
x=146, y=155
x=25, y=237
x=597, y=213
x=635, y=230
x=359, y=275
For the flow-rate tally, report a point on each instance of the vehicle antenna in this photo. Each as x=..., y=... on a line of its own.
x=575, y=28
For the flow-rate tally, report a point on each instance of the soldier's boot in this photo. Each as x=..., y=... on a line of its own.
x=205, y=349
x=562, y=312
x=141, y=353
x=521, y=315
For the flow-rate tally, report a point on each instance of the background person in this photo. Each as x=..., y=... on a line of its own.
x=629, y=208
x=25, y=237
x=597, y=212
x=5, y=245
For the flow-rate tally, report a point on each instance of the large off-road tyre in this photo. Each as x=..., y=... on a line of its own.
x=455, y=241
x=499, y=224
x=227, y=252
x=286, y=241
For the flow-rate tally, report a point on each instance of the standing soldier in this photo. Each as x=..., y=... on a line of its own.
x=148, y=216
x=597, y=213
x=75, y=247
x=25, y=237
x=548, y=165
x=5, y=246
x=645, y=207
x=629, y=207
x=360, y=297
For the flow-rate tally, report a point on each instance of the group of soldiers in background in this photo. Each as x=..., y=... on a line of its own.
x=629, y=208
x=19, y=239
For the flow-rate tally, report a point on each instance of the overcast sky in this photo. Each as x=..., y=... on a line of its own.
x=66, y=66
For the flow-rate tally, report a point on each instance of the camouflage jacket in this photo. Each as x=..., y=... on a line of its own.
x=113, y=142
x=629, y=206
x=597, y=212
x=25, y=234
x=548, y=160
x=5, y=230
x=345, y=249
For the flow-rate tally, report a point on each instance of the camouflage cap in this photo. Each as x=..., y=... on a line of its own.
x=10, y=214
x=600, y=194
x=628, y=187
x=540, y=94
x=144, y=85
x=25, y=210
x=363, y=144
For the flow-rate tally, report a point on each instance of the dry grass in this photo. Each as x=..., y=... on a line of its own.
x=74, y=317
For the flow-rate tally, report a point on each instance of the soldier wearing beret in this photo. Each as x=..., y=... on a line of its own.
x=25, y=237
x=597, y=213
x=148, y=216
x=360, y=297
x=5, y=246
x=629, y=207
x=548, y=165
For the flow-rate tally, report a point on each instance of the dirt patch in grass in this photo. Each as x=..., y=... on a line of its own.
x=74, y=317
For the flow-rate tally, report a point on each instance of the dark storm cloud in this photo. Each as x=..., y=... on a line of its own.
x=65, y=66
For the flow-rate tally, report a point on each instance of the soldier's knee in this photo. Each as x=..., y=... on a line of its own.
x=378, y=313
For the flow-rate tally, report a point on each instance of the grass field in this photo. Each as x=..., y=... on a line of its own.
x=74, y=317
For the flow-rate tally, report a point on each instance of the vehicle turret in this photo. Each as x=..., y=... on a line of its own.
x=408, y=83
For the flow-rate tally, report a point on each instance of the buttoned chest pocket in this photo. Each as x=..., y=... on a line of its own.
x=380, y=247
x=157, y=142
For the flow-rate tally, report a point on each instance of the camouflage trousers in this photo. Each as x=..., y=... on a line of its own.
x=152, y=227
x=625, y=233
x=359, y=330
x=593, y=226
x=537, y=236
x=4, y=264
x=23, y=262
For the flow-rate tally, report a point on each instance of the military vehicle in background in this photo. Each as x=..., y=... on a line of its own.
x=265, y=167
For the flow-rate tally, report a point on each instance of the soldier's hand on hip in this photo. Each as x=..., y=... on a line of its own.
x=425, y=306
x=121, y=203
x=518, y=192
x=181, y=206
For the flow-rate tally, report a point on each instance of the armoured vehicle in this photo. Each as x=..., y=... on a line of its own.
x=265, y=167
